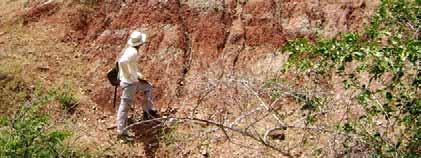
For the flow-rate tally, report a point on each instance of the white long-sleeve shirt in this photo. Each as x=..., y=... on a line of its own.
x=128, y=70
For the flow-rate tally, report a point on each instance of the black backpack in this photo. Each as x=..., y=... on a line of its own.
x=112, y=76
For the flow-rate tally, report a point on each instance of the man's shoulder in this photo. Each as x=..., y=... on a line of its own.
x=130, y=52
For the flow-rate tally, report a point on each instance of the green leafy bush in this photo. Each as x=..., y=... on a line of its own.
x=28, y=134
x=390, y=46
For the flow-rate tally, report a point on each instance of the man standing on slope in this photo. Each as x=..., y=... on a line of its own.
x=131, y=82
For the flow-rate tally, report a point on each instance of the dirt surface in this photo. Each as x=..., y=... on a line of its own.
x=192, y=46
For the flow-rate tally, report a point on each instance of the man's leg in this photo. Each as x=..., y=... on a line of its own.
x=147, y=89
x=126, y=100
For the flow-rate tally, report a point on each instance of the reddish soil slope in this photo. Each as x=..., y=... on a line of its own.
x=195, y=41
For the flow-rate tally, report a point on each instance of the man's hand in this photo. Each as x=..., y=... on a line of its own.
x=140, y=76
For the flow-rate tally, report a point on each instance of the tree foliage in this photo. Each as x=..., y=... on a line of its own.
x=30, y=133
x=389, y=51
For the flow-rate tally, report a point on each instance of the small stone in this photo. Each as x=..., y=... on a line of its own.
x=171, y=121
x=111, y=127
x=277, y=135
x=43, y=69
x=3, y=77
x=106, y=33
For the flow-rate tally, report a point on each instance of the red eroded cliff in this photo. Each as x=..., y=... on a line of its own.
x=193, y=42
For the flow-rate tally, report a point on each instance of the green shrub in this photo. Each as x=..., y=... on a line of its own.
x=392, y=46
x=28, y=134
x=66, y=98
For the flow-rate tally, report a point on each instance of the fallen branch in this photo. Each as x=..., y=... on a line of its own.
x=243, y=133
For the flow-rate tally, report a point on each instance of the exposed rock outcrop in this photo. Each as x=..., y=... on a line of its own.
x=193, y=41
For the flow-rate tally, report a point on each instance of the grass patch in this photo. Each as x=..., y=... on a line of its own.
x=13, y=89
x=66, y=97
x=28, y=133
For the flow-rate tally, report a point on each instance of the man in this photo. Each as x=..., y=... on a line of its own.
x=131, y=82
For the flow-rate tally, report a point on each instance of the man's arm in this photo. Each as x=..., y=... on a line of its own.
x=124, y=68
x=140, y=76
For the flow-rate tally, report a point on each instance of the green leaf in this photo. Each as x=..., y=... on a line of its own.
x=389, y=96
x=3, y=121
x=310, y=119
x=364, y=97
x=346, y=84
x=348, y=127
x=58, y=136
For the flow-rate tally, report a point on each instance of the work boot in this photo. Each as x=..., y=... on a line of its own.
x=125, y=138
x=151, y=114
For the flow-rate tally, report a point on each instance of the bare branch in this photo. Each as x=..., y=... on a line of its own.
x=263, y=103
x=236, y=121
x=243, y=133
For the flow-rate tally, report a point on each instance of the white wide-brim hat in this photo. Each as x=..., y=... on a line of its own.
x=136, y=38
